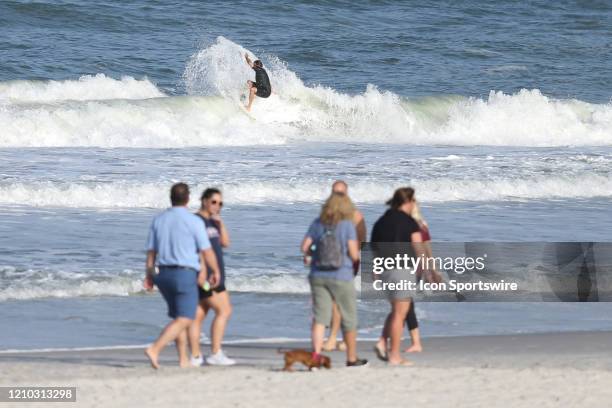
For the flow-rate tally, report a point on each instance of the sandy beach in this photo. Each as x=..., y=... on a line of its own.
x=545, y=370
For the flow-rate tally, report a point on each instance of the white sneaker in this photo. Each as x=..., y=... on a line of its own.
x=197, y=361
x=220, y=359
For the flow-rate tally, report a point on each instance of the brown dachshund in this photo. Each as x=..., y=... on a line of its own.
x=305, y=357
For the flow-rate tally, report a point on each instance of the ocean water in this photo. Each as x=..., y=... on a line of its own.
x=500, y=115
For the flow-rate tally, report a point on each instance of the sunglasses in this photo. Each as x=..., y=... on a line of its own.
x=215, y=202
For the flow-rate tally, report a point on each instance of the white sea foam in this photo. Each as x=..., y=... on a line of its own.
x=35, y=284
x=129, y=194
x=101, y=111
x=507, y=68
x=269, y=281
x=86, y=88
x=450, y=157
x=160, y=122
x=89, y=288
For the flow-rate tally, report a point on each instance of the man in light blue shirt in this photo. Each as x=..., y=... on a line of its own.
x=178, y=243
x=177, y=236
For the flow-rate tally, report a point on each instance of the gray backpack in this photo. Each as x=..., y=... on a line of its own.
x=328, y=251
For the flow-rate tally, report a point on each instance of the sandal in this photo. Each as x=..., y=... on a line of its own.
x=380, y=353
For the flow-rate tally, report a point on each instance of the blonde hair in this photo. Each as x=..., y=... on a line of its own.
x=338, y=207
x=416, y=214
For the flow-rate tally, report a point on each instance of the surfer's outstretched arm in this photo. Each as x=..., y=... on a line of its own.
x=248, y=60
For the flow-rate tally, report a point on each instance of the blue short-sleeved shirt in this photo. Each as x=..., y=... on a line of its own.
x=345, y=231
x=178, y=236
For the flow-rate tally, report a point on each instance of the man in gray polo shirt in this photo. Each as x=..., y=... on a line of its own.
x=178, y=243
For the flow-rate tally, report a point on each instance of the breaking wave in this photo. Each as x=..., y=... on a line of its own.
x=23, y=284
x=128, y=112
x=129, y=194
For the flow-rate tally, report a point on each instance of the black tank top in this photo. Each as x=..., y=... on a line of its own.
x=262, y=80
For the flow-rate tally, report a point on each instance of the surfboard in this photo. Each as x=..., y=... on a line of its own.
x=245, y=111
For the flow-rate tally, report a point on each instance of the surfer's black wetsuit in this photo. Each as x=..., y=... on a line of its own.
x=262, y=82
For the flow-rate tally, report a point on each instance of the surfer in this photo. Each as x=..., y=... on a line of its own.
x=261, y=87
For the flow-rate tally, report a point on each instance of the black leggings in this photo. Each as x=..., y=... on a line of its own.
x=411, y=319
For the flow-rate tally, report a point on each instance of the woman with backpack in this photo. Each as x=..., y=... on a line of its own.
x=332, y=243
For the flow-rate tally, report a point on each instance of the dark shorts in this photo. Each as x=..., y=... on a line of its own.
x=263, y=92
x=179, y=287
x=205, y=294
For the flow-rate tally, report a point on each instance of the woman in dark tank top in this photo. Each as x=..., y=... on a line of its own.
x=397, y=225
